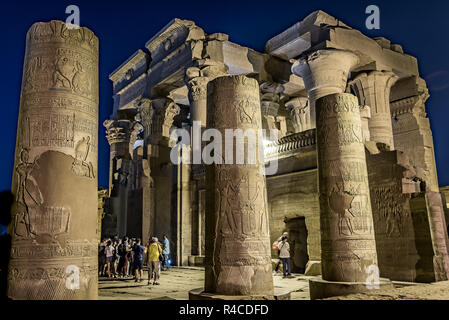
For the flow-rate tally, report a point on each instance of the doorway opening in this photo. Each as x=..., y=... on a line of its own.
x=297, y=238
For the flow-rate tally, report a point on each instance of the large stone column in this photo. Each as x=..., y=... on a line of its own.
x=238, y=260
x=373, y=90
x=348, y=248
x=324, y=72
x=54, y=238
x=118, y=134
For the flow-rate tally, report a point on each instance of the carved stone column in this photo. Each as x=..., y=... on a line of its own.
x=348, y=247
x=299, y=113
x=54, y=237
x=197, y=79
x=270, y=96
x=324, y=72
x=238, y=256
x=118, y=134
x=365, y=115
x=373, y=90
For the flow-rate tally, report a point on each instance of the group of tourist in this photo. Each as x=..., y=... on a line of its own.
x=125, y=258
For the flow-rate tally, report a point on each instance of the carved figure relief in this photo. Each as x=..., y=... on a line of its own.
x=29, y=197
x=80, y=166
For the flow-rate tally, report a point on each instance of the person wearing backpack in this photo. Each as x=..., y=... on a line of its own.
x=138, y=251
x=284, y=255
x=275, y=246
x=123, y=250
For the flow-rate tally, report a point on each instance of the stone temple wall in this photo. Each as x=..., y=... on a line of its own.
x=294, y=196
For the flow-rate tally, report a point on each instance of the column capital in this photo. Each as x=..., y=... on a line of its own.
x=197, y=77
x=373, y=90
x=117, y=131
x=270, y=96
x=366, y=85
x=325, y=71
x=164, y=112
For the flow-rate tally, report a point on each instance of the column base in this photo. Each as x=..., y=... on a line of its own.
x=313, y=268
x=199, y=294
x=320, y=289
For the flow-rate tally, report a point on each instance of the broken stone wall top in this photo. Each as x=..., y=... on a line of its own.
x=320, y=30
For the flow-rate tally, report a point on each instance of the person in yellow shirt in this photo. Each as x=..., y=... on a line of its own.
x=154, y=263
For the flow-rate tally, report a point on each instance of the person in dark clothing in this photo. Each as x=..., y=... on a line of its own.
x=123, y=251
x=6, y=201
x=138, y=251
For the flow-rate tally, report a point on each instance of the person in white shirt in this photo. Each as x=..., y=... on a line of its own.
x=284, y=255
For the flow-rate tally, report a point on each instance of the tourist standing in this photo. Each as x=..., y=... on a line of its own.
x=101, y=257
x=166, y=253
x=123, y=257
x=154, y=263
x=138, y=250
x=109, y=251
x=284, y=255
x=276, y=247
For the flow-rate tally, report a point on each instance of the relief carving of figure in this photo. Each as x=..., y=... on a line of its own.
x=63, y=73
x=340, y=203
x=80, y=166
x=28, y=198
x=80, y=82
x=229, y=207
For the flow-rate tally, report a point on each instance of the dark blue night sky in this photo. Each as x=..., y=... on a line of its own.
x=421, y=27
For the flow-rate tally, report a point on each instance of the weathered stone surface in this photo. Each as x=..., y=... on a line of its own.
x=54, y=229
x=401, y=236
x=324, y=72
x=347, y=234
x=411, y=128
x=373, y=91
x=238, y=260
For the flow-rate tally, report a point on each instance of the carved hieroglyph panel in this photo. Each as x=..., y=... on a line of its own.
x=347, y=234
x=54, y=225
x=239, y=259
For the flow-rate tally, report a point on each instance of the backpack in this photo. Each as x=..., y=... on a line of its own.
x=275, y=245
x=122, y=250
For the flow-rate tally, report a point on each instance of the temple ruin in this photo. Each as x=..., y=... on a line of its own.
x=387, y=194
x=356, y=183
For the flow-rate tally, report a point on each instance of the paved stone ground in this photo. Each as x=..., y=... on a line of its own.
x=434, y=291
x=176, y=284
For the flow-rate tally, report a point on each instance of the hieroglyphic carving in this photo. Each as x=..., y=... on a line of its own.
x=55, y=205
x=41, y=101
x=239, y=261
x=345, y=208
x=389, y=204
x=52, y=130
x=61, y=69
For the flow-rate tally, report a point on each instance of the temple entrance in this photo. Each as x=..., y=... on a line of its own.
x=297, y=237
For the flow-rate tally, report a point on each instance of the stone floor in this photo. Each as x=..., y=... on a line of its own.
x=176, y=283
x=433, y=291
